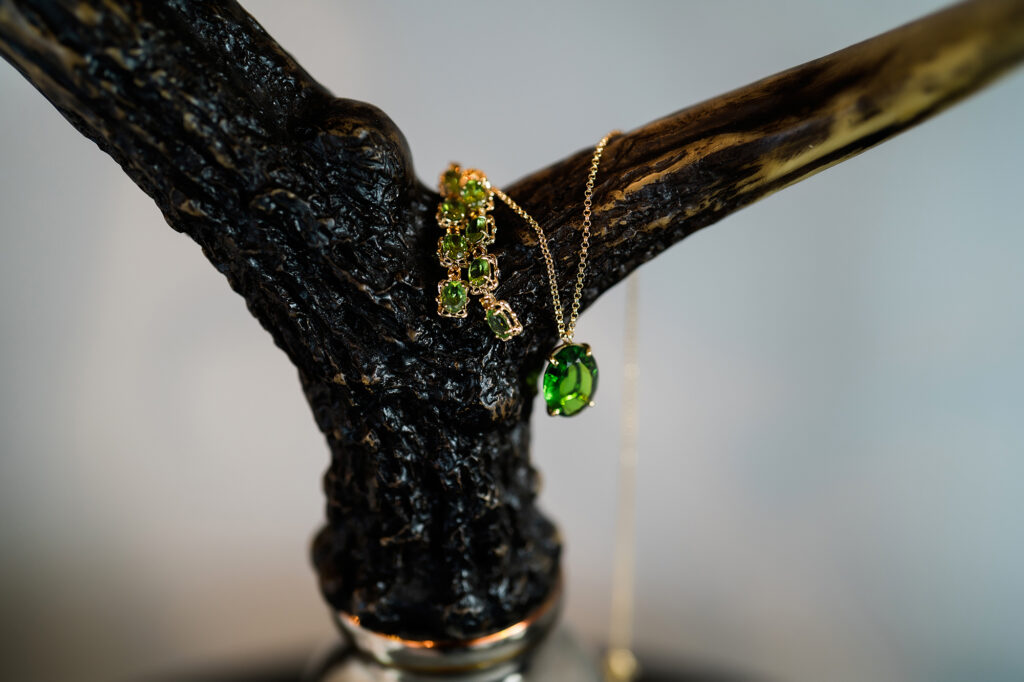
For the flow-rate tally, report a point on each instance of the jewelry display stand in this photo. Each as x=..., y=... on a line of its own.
x=311, y=208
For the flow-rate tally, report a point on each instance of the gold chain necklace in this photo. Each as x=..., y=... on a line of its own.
x=570, y=379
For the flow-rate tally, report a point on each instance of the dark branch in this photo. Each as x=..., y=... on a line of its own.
x=239, y=147
x=666, y=180
x=309, y=206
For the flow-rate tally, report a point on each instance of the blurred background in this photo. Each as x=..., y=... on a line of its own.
x=832, y=381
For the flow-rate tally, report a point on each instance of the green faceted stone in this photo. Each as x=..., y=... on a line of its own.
x=474, y=194
x=454, y=296
x=450, y=183
x=570, y=381
x=453, y=210
x=454, y=247
x=499, y=322
x=479, y=272
x=476, y=230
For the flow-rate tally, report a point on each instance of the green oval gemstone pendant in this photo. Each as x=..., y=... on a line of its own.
x=570, y=379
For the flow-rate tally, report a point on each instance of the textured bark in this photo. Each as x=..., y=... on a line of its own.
x=310, y=207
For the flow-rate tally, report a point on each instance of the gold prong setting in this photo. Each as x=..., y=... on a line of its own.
x=453, y=250
x=452, y=298
x=501, y=318
x=483, y=274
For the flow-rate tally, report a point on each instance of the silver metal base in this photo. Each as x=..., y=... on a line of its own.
x=559, y=658
x=426, y=656
x=524, y=651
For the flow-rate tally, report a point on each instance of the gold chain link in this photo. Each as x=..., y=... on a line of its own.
x=565, y=332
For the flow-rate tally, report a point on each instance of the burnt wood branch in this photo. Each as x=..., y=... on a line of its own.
x=310, y=207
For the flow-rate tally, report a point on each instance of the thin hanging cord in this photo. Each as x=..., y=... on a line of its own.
x=620, y=663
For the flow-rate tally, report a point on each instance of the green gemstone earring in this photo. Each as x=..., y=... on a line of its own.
x=467, y=199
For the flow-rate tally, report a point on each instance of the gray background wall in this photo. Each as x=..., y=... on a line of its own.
x=832, y=380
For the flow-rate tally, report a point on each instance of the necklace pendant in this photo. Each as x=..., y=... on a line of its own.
x=570, y=379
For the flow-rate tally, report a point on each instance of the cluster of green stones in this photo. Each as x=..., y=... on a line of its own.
x=464, y=214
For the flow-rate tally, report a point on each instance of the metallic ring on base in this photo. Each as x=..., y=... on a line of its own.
x=425, y=655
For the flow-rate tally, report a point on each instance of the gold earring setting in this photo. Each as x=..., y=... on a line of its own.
x=464, y=213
